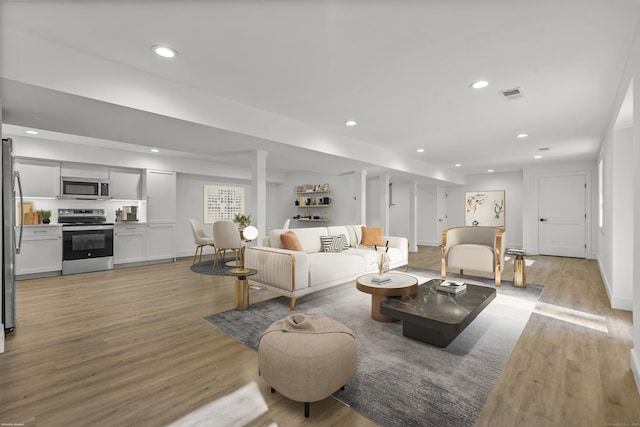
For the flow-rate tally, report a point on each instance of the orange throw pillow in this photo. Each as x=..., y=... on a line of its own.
x=291, y=242
x=372, y=236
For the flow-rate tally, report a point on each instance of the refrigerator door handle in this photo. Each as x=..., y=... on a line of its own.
x=16, y=174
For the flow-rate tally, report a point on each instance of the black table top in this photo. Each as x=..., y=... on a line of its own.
x=432, y=306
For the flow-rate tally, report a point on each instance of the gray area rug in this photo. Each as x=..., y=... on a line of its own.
x=400, y=381
x=206, y=267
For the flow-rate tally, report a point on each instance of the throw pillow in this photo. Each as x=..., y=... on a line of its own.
x=355, y=235
x=372, y=236
x=333, y=243
x=291, y=242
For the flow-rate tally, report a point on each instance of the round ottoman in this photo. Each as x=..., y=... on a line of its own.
x=307, y=358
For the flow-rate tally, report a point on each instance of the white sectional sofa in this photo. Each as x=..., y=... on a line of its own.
x=294, y=274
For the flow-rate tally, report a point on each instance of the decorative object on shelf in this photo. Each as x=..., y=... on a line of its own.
x=46, y=216
x=484, y=208
x=242, y=220
x=382, y=258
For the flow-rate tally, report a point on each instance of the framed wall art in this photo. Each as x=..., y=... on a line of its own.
x=222, y=202
x=484, y=208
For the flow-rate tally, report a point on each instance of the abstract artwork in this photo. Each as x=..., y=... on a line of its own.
x=222, y=202
x=484, y=208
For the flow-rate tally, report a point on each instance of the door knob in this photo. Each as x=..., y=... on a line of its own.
x=543, y=219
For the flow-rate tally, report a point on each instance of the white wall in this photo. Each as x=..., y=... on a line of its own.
x=190, y=201
x=613, y=178
x=428, y=215
x=615, y=239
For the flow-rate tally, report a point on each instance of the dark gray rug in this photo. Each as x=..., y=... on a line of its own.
x=205, y=267
x=400, y=381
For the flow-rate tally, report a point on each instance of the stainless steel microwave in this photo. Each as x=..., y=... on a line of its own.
x=85, y=188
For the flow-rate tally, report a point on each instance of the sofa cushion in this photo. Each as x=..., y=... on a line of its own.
x=310, y=238
x=274, y=238
x=336, y=230
x=471, y=257
x=333, y=243
x=372, y=236
x=355, y=235
x=291, y=242
x=331, y=267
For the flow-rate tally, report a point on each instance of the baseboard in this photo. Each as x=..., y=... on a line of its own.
x=428, y=243
x=615, y=302
x=635, y=367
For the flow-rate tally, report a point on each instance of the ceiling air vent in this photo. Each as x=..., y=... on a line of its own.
x=512, y=94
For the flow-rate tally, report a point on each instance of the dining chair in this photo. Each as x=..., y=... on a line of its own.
x=200, y=239
x=226, y=237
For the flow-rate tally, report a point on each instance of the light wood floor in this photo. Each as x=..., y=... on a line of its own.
x=129, y=347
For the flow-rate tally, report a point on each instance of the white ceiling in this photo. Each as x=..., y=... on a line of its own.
x=283, y=76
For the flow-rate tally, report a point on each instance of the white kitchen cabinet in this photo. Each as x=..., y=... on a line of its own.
x=126, y=184
x=129, y=243
x=84, y=170
x=160, y=241
x=41, y=250
x=40, y=178
x=160, y=189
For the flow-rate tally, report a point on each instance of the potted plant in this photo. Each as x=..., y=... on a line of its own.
x=46, y=216
x=242, y=220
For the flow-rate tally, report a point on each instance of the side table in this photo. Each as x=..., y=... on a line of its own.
x=519, y=268
x=400, y=285
x=242, y=286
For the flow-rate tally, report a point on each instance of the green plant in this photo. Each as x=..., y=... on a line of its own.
x=242, y=219
x=45, y=214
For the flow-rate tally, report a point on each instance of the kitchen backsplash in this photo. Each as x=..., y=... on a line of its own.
x=110, y=206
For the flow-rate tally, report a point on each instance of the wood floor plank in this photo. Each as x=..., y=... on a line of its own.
x=130, y=347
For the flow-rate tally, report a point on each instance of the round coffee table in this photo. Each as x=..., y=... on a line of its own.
x=400, y=285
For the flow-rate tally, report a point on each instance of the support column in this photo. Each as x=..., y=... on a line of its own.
x=259, y=189
x=385, y=201
x=413, y=216
x=363, y=197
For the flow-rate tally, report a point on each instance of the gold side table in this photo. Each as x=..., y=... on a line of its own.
x=242, y=286
x=519, y=268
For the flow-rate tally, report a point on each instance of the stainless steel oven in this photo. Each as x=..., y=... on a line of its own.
x=87, y=241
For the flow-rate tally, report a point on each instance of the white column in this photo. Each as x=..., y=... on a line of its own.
x=259, y=189
x=384, y=202
x=413, y=216
x=362, y=206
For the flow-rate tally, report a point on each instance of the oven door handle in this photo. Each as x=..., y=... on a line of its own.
x=86, y=227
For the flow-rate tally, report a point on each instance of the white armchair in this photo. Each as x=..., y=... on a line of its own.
x=474, y=248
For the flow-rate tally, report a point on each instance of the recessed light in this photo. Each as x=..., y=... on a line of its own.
x=32, y=132
x=479, y=84
x=155, y=150
x=420, y=150
x=350, y=123
x=537, y=157
x=165, y=51
x=490, y=170
x=458, y=165
x=522, y=135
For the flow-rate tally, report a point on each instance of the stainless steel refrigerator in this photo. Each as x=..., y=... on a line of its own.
x=10, y=185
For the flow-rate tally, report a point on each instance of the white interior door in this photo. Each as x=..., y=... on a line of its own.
x=562, y=215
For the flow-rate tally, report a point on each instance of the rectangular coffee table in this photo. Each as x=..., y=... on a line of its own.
x=437, y=317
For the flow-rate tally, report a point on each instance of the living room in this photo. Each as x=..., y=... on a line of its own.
x=613, y=194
